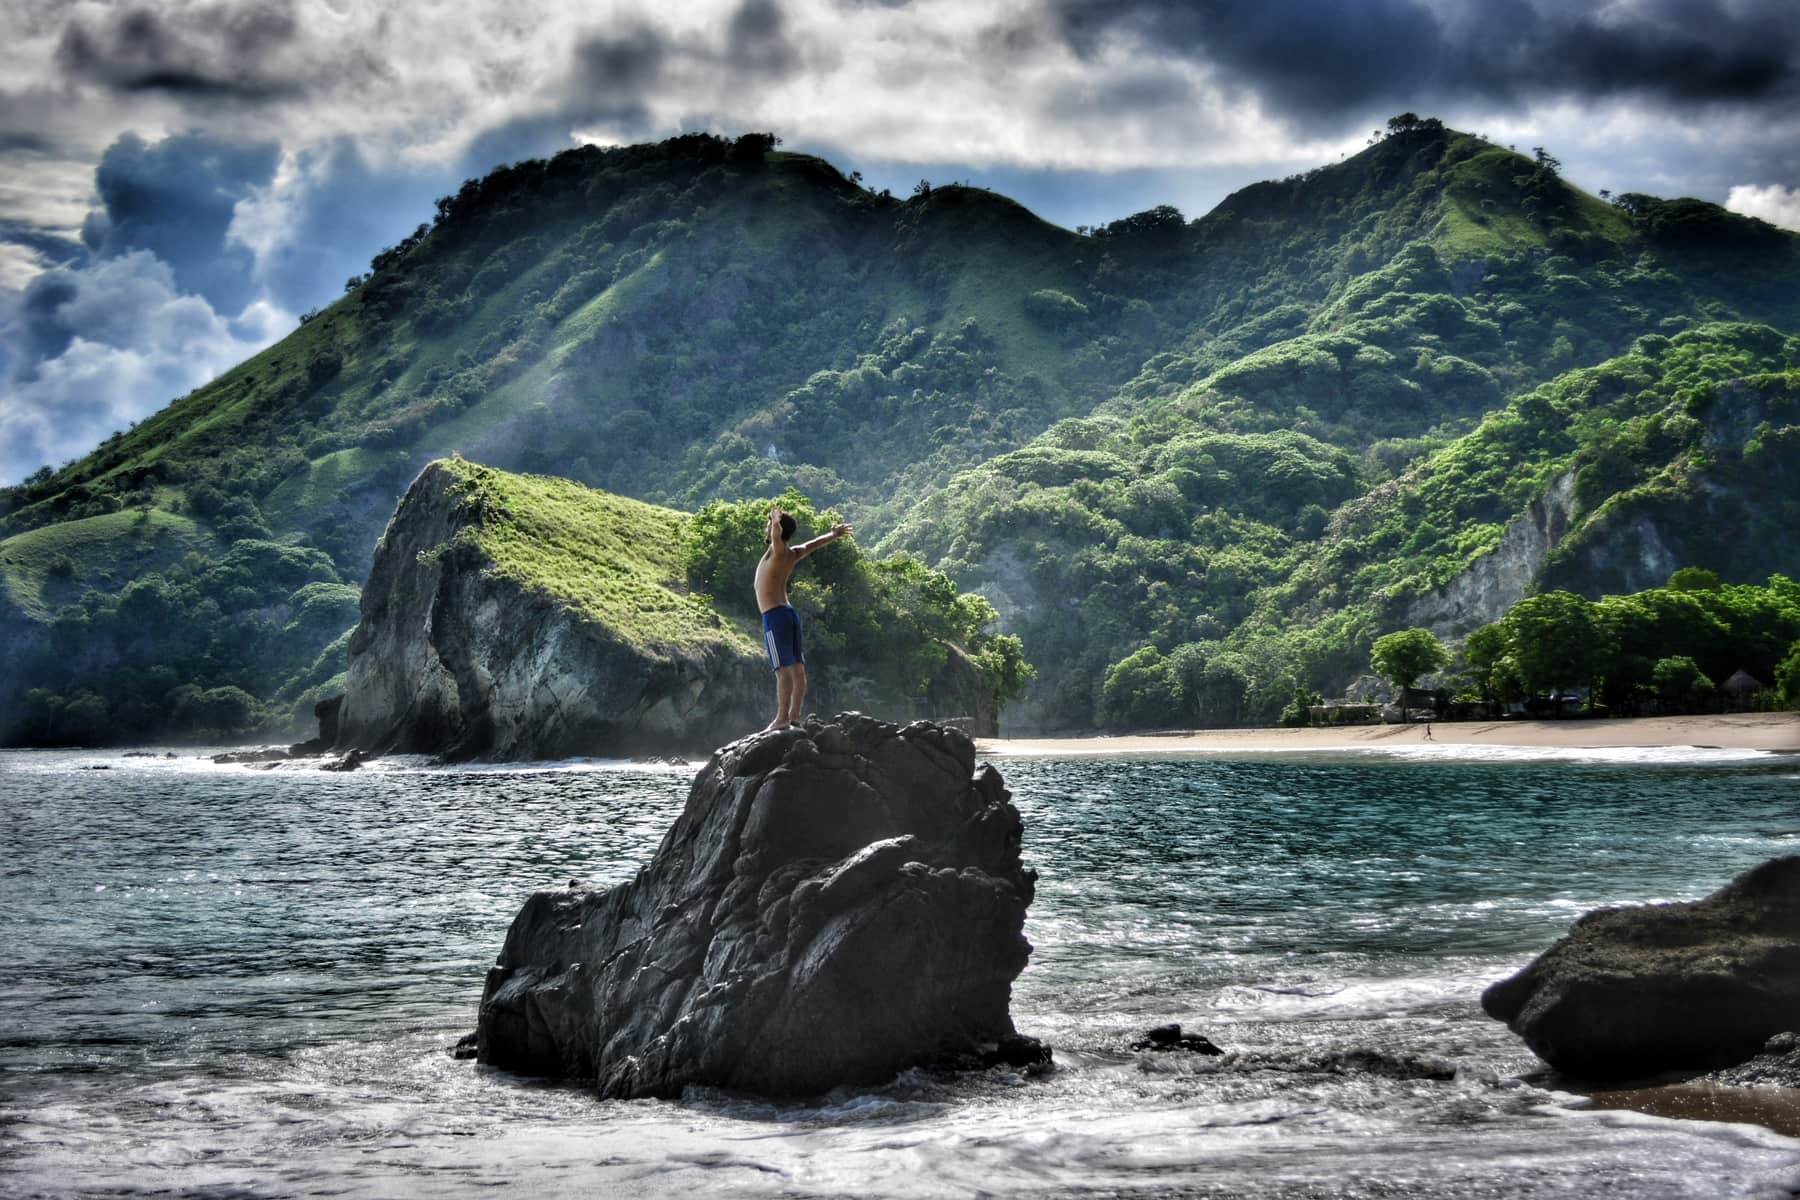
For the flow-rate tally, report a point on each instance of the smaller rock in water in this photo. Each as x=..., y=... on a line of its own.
x=260, y=755
x=468, y=1046
x=1636, y=992
x=1170, y=1037
x=1776, y=1065
x=350, y=762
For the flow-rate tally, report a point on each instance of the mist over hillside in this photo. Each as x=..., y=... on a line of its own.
x=1247, y=443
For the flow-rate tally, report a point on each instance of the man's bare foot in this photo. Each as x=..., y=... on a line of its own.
x=778, y=723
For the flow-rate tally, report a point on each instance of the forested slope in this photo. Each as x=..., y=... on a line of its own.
x=1219, y=433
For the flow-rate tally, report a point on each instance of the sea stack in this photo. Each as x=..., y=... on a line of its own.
x=1635, y=992
x=836, y=902
x=517, y=617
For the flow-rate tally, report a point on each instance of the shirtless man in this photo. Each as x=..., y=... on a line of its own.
x=781, y=624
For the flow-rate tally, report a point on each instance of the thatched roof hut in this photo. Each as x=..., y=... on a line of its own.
x=1742, y=683
x=1742, y=689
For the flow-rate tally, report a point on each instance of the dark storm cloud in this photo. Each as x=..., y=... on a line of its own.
x=615, y=66
x=53, y=248
x=1309, y=60
x=621, y=64
x=176, y=198
x=612, y=71
x=44, y=333
x=757, y=39
x=224, y=50
x=25, y=142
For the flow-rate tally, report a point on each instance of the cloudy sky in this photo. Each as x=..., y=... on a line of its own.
x=179, y=179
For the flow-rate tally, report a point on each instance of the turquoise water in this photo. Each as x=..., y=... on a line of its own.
x=227, y=981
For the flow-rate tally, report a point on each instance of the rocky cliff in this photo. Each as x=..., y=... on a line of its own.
x=516, y=617
x=835, y=903
x=1498, y=579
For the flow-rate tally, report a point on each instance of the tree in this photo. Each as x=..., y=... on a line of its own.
x=1405, y=655
x=1787, y=677
x=1489, y=656
x=1557, y=641
x=1299, y=710
x=1680, y=680
x=1139, y=691
x=1694, y=579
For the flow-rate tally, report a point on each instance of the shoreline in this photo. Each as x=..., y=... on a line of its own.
x=1777, y=733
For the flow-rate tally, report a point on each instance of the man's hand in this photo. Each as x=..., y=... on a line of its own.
x=840, y=530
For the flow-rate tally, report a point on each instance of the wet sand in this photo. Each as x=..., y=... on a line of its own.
x=1737, y=731
x=1771, y=1107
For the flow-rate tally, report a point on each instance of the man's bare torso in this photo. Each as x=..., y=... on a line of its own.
x=772, y=573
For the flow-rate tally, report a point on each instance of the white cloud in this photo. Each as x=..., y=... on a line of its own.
x=1773, y=203
x=134, y=343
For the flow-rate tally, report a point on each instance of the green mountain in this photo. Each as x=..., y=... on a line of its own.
x=1230, y=451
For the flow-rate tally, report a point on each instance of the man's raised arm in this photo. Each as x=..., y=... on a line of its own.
x=824, y=539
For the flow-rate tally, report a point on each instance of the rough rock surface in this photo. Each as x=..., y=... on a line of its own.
x=835, y=903
x=452, y=658
x=1497, y=580
x=1777, y=1064
x=1633, y=992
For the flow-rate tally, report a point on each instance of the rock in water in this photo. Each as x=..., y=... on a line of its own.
x=1633, y=992
x=520, y=617
x=834, y=904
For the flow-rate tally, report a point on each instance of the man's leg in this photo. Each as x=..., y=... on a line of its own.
x=784, y=688
x=796, y=693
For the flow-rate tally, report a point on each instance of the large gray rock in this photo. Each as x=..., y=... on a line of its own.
x=835, y=903
x=1633, y=992
x=454, y=658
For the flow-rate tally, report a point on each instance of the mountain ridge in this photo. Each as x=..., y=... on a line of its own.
x=716, y=319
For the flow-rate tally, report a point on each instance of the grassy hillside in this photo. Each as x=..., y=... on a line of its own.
x=616, y=561
x=43, y=569
x=707, y=320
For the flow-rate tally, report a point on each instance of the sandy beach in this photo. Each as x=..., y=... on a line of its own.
x=1779, y=732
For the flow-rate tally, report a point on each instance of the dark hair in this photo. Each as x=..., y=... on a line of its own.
x=787, y=527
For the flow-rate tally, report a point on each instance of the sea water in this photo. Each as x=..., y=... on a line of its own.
x=224, y=981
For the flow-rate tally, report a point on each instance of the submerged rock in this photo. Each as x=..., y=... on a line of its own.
x=1633, y=992
x=352, y=761
x=265, y=754
x=834, y=904
x=1170, y=1037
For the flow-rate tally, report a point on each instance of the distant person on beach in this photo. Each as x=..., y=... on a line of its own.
x=781, y=624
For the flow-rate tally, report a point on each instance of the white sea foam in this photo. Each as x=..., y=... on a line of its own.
x=1619, y=755
x=1428, y=752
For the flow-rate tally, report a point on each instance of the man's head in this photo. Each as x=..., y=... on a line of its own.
x=787, y=527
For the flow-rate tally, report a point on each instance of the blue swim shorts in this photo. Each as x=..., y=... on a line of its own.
x=781, y=637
